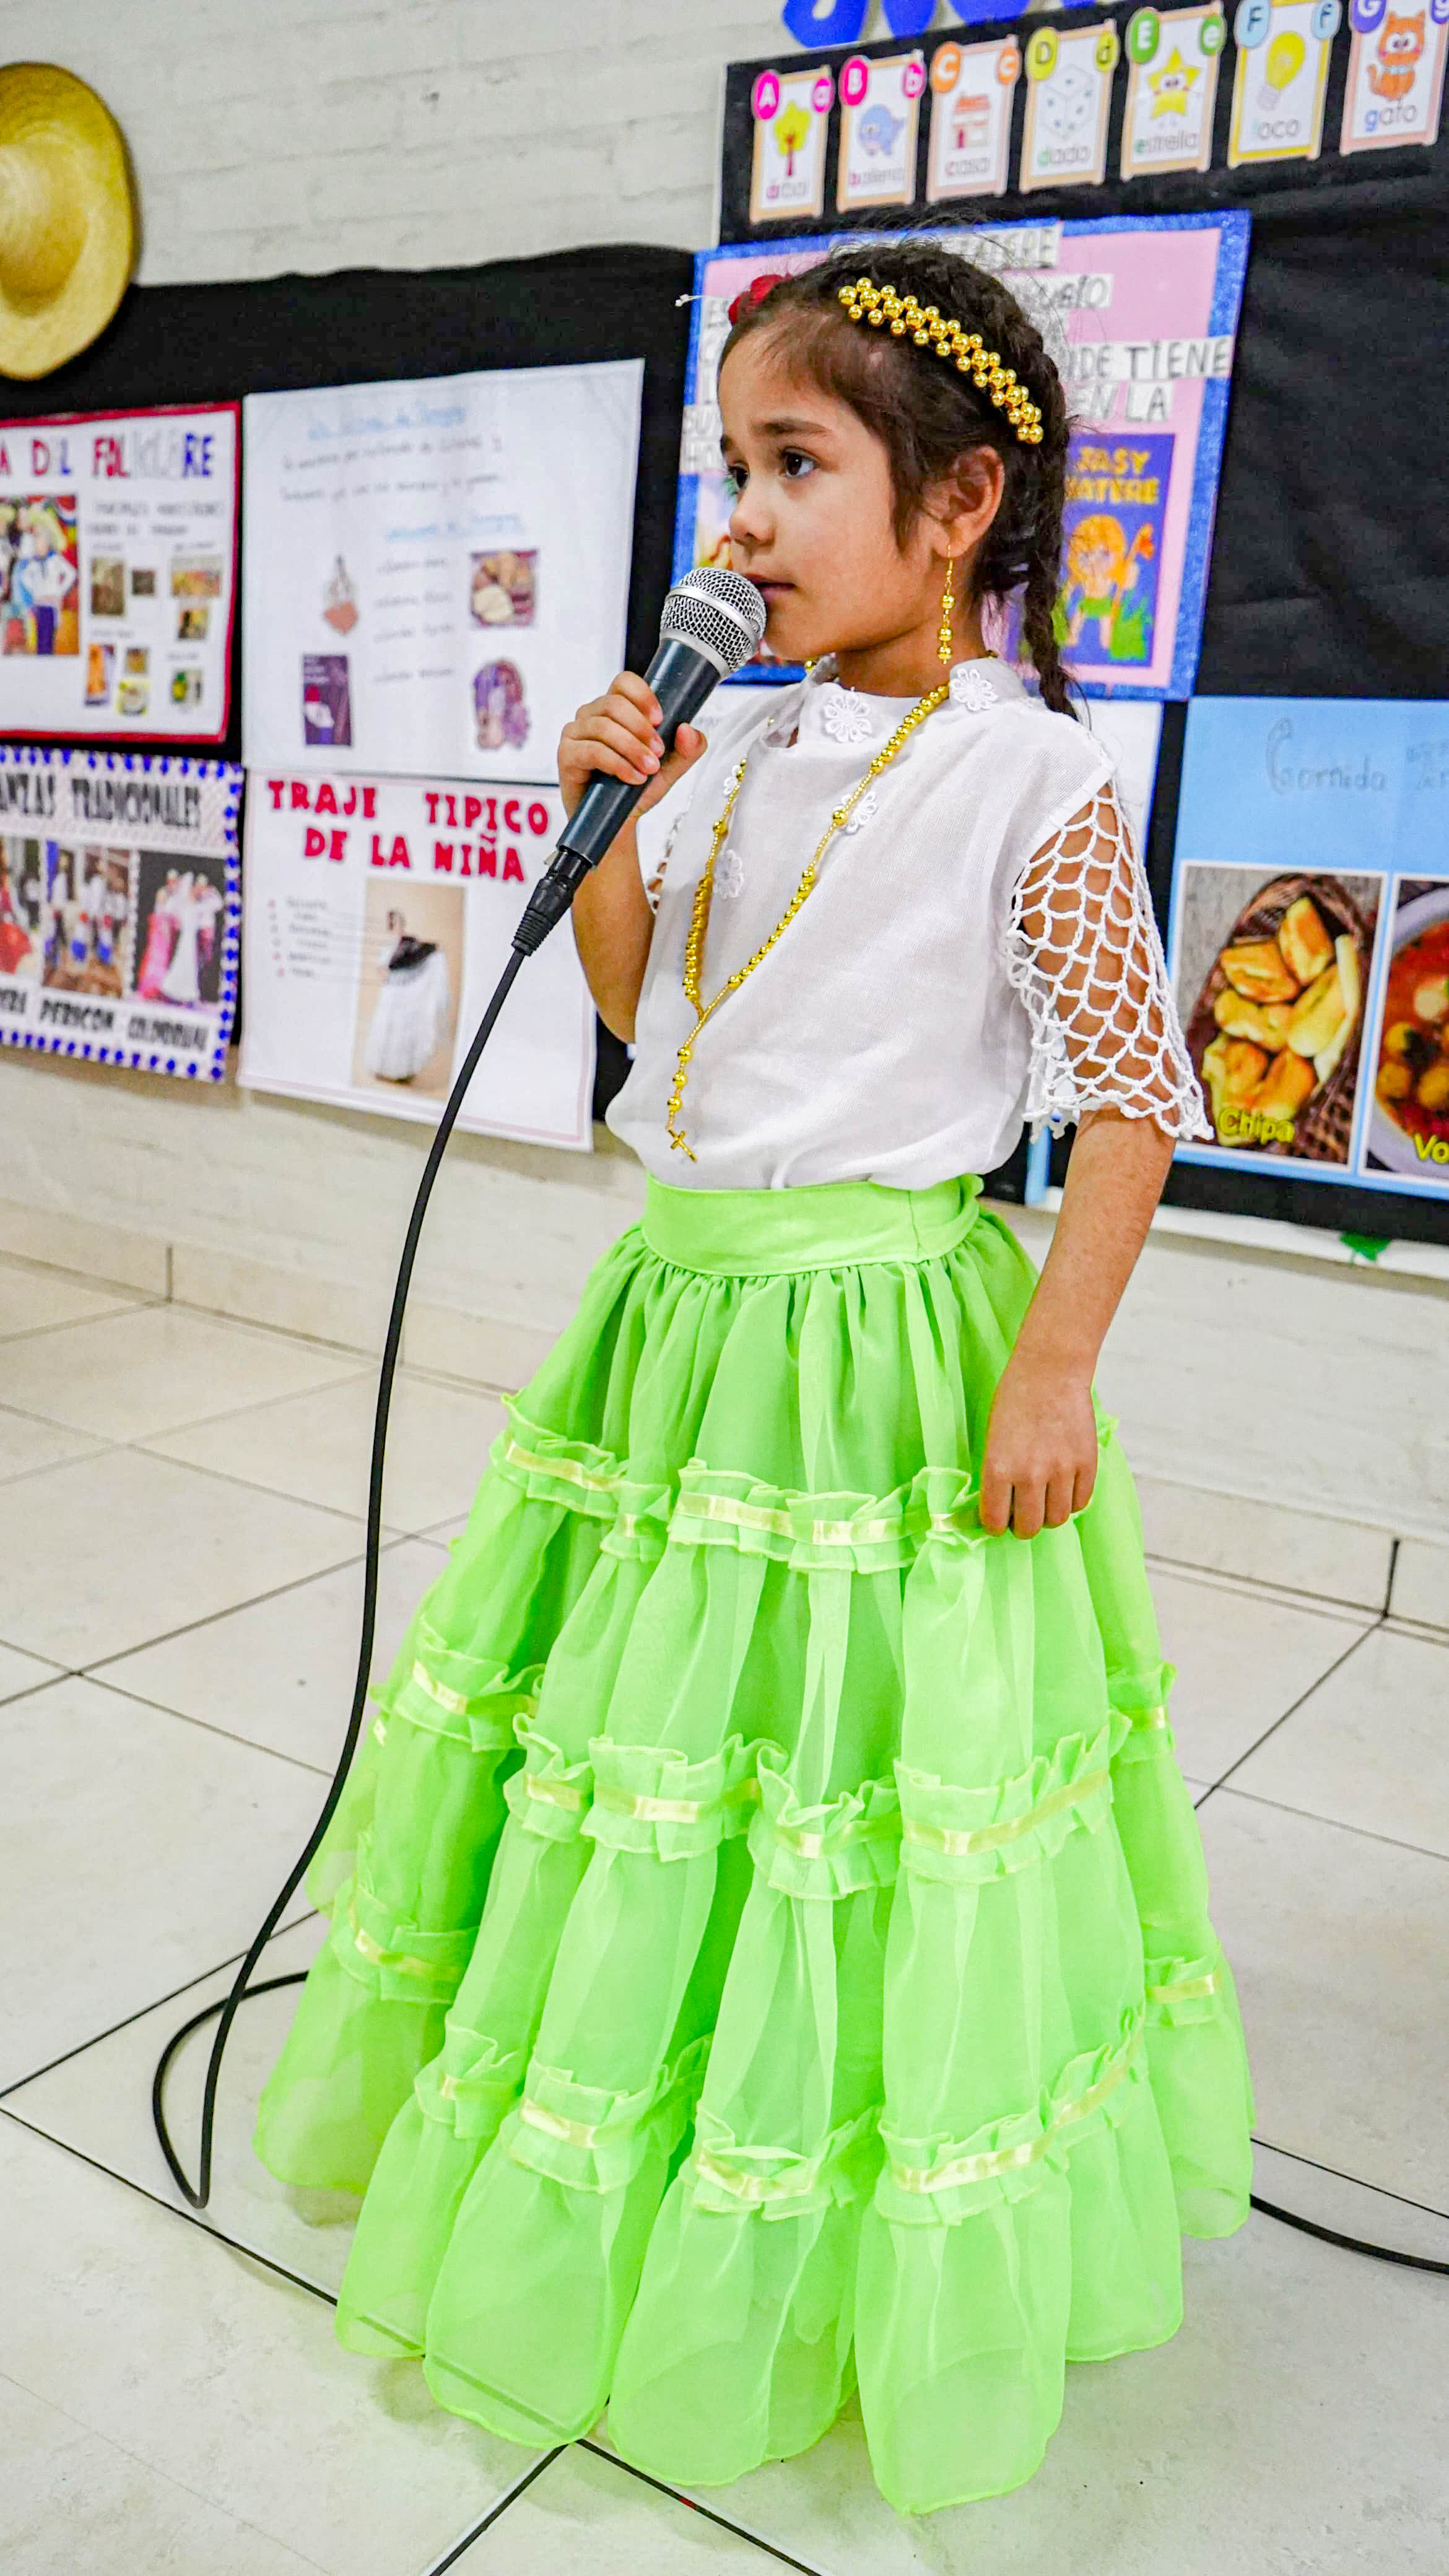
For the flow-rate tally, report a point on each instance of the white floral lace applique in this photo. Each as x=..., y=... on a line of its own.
x=846, y=717
x=865, y=812
x=973, y=688
x=729, y=876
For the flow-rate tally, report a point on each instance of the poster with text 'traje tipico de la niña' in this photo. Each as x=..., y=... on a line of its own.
x=118, y=574
x=379, y=915
x=119, y=907
x=437, y=572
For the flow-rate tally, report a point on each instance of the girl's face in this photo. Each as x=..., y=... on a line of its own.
x=812, y=524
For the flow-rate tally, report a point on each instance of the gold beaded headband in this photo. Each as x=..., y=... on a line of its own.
x=928, y=327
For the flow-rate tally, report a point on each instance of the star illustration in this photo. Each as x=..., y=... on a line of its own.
x=1172, y=87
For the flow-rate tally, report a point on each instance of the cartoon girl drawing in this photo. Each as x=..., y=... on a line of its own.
x=44, y=579
x=1102, y=572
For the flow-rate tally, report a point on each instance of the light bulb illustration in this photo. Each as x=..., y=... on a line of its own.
x=792, y=133
x=1286, y=56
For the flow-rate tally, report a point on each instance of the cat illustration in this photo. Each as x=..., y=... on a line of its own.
x=1392, y=74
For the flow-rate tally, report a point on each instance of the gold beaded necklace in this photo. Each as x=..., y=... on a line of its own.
x=699, y=918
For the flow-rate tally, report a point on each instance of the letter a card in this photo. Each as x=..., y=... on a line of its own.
x=1395, y=85
x=791, y=110
x=1172, y=88
x=1282, y=74
x=880, y=108
x=972, y=87
x=1068, y=102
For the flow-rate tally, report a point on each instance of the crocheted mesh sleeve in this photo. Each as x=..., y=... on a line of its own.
x=1083, y=954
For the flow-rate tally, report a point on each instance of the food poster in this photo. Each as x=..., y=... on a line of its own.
x=880, y=107
x=1283, y=49
x=791, y=111
x=380, y=913
x=119, y=908
x=1395, y=86
x=118, y=549
x=1068, y=103
x=972, y=89
x=1309, y=936
x=1148, y=309
x=437, y=572
x=1172, y=89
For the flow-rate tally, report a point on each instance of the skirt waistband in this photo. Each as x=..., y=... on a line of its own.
x=748, y=1234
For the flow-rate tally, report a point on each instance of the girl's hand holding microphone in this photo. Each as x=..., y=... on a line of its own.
x=619, y=735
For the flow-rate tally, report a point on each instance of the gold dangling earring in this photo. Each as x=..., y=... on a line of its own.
x=948, y=602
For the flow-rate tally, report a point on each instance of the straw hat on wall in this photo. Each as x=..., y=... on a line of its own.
x=67, y=219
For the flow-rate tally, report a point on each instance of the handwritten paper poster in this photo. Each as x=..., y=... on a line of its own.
x=1309, y=935
x=379, y=916
x=791, y=110
x=972, y=88
x=1172, y=89
x=119, y=905
x=1148, y=308
x=880, y=106
x=1281, y=77
x=118, y=573
x=437, y=572
x=1068, y=102
x=1395, y=86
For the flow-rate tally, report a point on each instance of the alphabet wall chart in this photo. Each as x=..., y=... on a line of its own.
x=1149, y=307
x=119, y=907
x=1132, y=99
x=118, y=539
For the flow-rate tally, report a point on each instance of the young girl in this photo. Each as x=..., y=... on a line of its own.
x=827, y=1993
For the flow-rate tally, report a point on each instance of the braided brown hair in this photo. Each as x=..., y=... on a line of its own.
x=927, y=415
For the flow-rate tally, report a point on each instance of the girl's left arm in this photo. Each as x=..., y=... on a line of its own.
x=1041, y=1449
x=1084, y=956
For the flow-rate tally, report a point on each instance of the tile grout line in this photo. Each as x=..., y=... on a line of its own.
x=1360, y=2181
x=173, y=2209
x=153, y=2468
x=19, y=2082
x=707, y=2512
x=1336, y=1824
x=1294, y=1706
x=1285, y=1596
x=184, y=1717
x=510, y=2495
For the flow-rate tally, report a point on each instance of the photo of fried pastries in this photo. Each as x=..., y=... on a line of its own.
x=1274, y=1035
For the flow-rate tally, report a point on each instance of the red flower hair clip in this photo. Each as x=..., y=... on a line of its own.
x=754, y=293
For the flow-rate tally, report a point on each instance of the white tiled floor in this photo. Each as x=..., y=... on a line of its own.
x=180, y=1504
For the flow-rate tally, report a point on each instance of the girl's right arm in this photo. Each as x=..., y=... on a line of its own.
x=613, y=924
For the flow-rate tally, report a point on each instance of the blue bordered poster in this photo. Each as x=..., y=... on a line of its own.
x=1149, y=308
x=120, y=907
x=1309, y=936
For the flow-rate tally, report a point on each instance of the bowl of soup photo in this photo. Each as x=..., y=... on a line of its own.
x=1410, y=1123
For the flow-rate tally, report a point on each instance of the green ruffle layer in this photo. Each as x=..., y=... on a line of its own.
x=769, y=1926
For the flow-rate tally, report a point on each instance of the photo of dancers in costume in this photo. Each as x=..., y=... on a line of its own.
x=178, y=913
x=412, y=971
x=769, y=1951
x=21, y=904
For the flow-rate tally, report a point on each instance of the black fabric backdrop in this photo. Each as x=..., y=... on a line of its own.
x=1330, y=573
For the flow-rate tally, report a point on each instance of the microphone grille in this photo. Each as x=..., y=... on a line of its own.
x=719, y=611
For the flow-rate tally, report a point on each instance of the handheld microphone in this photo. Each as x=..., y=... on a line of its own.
x=713, y=621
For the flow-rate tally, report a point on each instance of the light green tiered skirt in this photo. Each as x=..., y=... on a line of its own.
x=770, y=1942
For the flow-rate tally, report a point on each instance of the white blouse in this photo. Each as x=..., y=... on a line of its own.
x=979, y=949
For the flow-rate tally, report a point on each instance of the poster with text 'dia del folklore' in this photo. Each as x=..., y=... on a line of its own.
x=118, y=551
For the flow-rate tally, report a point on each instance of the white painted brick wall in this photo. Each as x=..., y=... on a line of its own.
x=318, y=134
